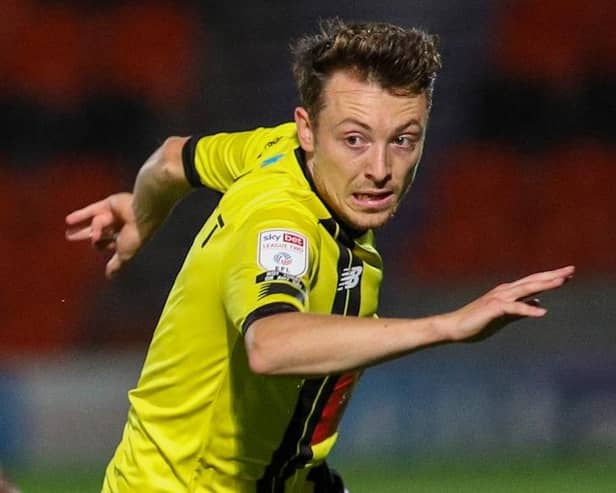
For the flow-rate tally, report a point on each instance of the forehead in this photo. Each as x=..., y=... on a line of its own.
x=346, y=96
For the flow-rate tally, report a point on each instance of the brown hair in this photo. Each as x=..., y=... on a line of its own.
x=402, y=60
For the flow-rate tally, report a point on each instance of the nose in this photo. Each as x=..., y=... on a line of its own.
x=378, y=168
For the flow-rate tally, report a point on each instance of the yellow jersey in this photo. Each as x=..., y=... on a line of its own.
x=200, y=420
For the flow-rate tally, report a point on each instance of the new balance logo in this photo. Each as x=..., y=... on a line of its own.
x=350, y=277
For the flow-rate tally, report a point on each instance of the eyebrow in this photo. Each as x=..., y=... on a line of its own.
x=413, y=122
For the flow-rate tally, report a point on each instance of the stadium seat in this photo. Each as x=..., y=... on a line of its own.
x=476, y=218
x=161, y=65
x=498, y=211
x=49, y=283
x=541, y=40
x=550, y=73
x=578, y=208
x=44, y=60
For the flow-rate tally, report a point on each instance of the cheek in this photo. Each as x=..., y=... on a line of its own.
x=337, y=165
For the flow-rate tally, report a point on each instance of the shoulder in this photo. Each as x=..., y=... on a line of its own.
x=285, y=210
x=271, y=136
x=272, y=144
x=262, y=139
x=254, y=141
x=282, y=233
x=275, y=185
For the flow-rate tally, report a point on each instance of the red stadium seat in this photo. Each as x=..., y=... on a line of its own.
x=477, y=221
x=600, y=39
x=554, y=42
x=14, y=16
x=49, y=283
x=541, y=40
x=43, y=58
x=498, y=213
x=57, y=55
x=148, y=50
x=578, y=207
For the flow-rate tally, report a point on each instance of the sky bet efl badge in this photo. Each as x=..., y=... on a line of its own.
x=281, y=250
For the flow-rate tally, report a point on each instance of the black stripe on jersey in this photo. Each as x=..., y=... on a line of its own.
x=219, y=224
x=330, y=226
x=266, y=311
x=339, y=234
x=271, y=288
x=188, y=161
x=276, y=275
x=294, y=450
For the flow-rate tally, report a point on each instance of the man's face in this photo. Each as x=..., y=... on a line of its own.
x=365, y=150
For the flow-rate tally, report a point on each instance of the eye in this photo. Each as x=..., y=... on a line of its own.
x=405, y=141
x=354, y=140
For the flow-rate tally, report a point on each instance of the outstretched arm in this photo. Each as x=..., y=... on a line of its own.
x=123, y=222
x=311, y=344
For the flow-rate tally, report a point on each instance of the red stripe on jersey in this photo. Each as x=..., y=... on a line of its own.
x=333, y=410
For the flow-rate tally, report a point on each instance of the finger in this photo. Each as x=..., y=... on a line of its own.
x=85, y=213
x=532, y=288
x=106, y=244
x=565, y=272
x=521, y=309
x=546, y=275
x=540, y=281
x=102, y=227
x=86, y=232
x=113, y=266
x=78, y=233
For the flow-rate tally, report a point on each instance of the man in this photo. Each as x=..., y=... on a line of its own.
x=273, y=314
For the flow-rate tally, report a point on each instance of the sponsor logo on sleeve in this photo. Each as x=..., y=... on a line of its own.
x=283, y=251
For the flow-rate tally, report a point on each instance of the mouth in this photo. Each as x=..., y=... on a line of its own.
x=375, y=200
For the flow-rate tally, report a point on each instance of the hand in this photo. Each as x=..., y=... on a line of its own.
x=502, y=305
x=109, y=224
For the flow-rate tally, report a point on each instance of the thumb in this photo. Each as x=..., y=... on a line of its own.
x=113, y=266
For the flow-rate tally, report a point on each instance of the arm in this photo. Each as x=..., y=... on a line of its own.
x=123, y=222
x=311, y=344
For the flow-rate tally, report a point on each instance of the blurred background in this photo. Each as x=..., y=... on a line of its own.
x=518, y=175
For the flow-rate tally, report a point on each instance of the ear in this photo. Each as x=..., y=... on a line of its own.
x=305, y=131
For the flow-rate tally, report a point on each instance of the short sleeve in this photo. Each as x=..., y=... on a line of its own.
x=270, y=266
x=216, y=161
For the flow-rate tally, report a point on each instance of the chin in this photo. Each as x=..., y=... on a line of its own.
x=369, y=221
